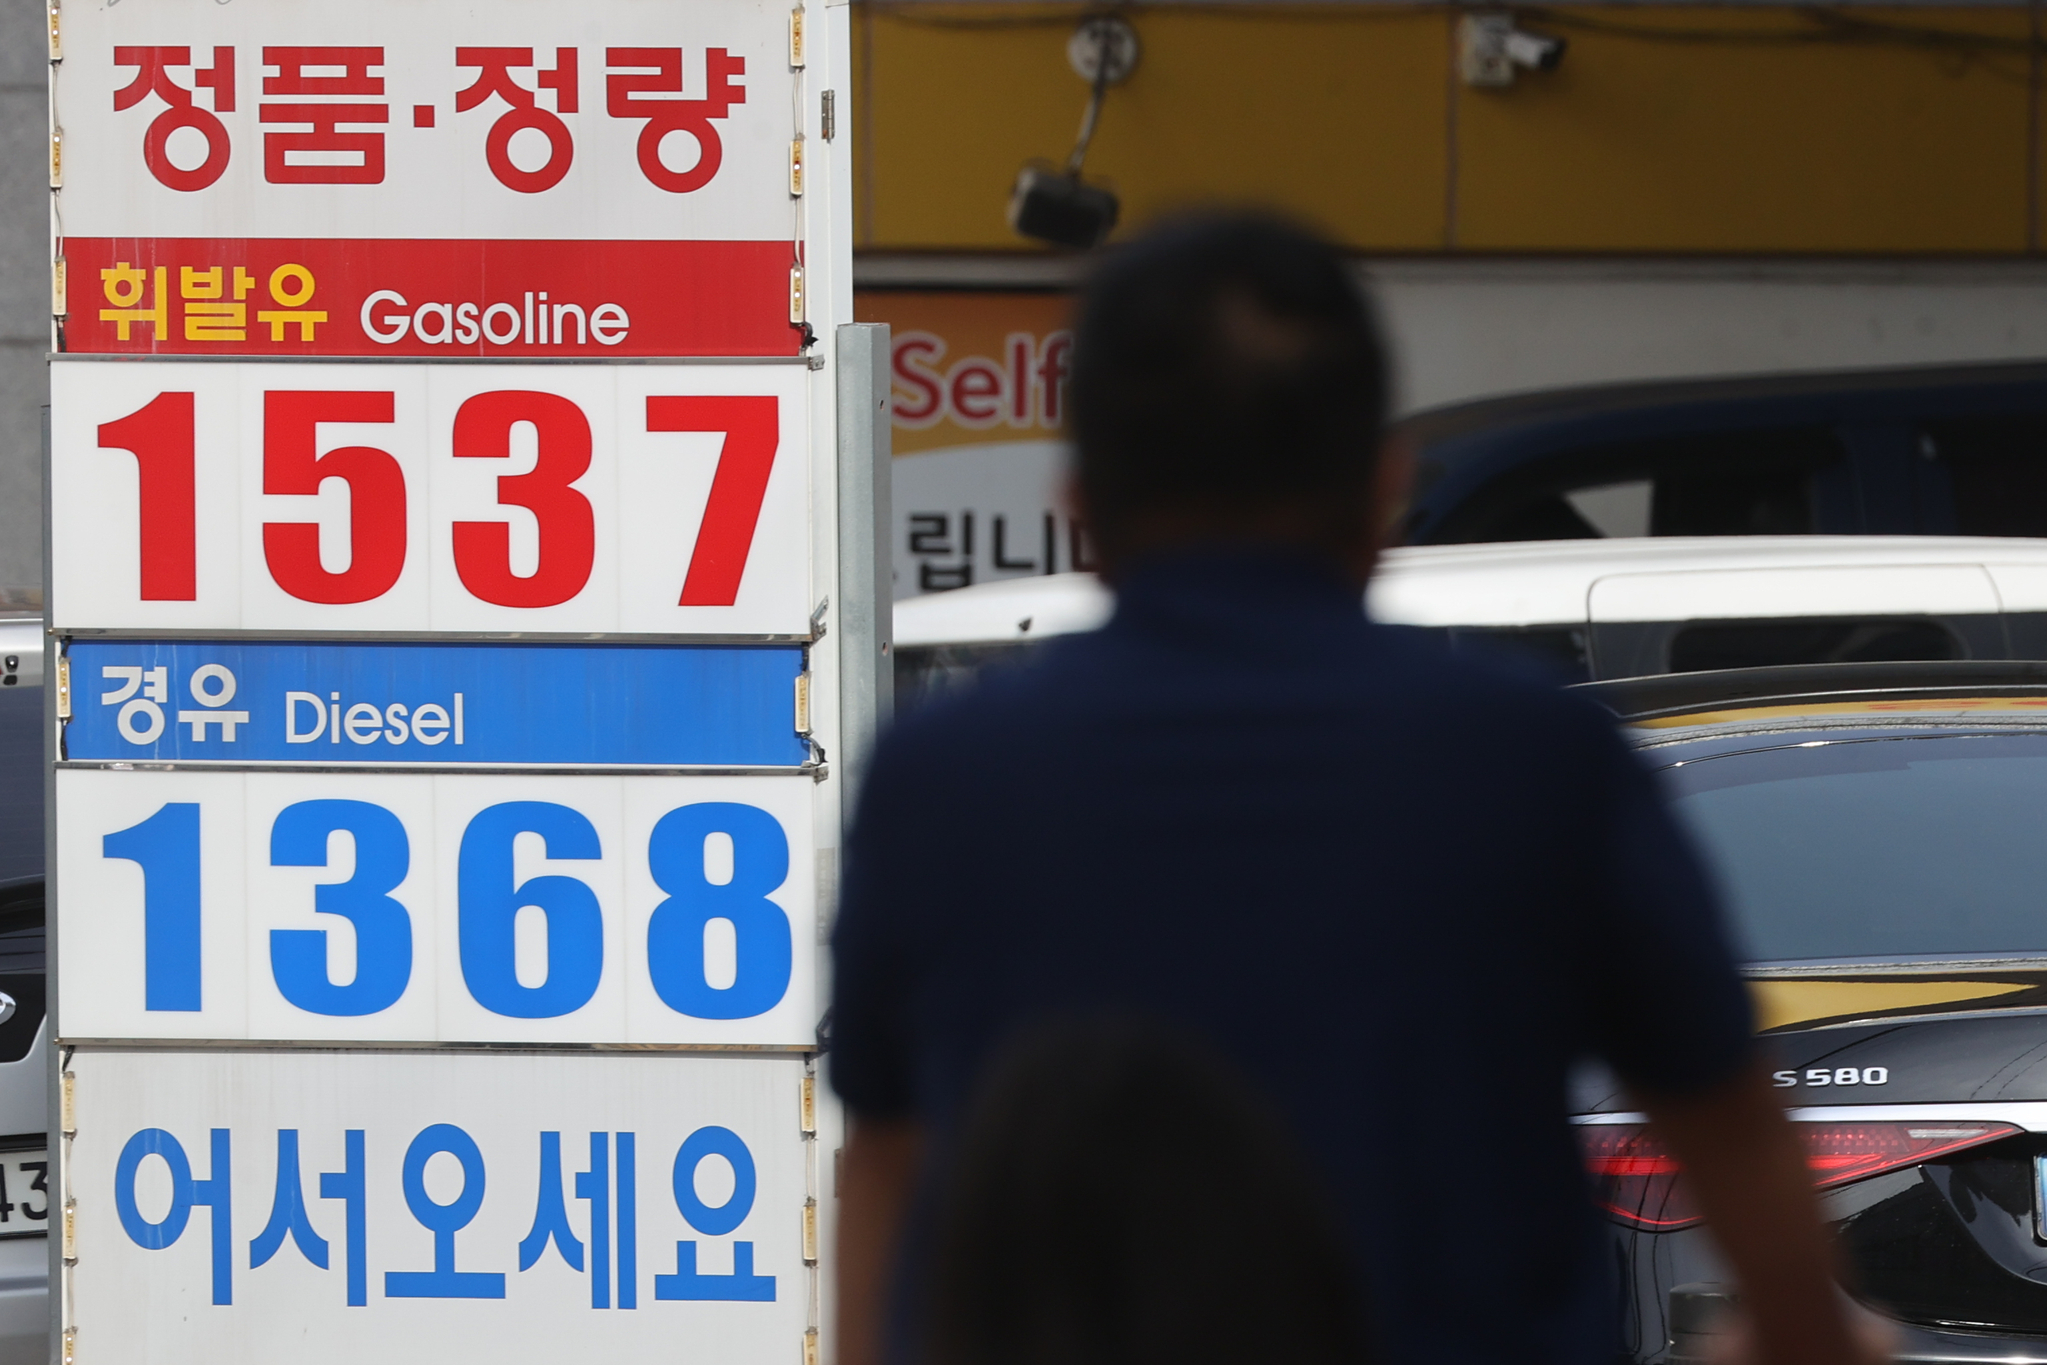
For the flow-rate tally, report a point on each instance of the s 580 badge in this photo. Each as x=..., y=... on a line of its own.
x=1839, y=1075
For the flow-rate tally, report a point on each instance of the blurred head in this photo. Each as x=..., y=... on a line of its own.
x=1122, y=1197
x=1229, y=384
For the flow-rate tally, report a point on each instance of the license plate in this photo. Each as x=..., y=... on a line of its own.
x=24, y=1192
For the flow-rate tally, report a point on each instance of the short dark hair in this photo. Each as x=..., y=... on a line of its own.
x=1224, y=361
x=1121, y=1195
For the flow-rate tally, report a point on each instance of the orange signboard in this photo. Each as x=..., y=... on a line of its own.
x=973, y=366
x=979, y=392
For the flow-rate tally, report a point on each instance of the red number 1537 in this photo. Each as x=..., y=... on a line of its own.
x=160, y=436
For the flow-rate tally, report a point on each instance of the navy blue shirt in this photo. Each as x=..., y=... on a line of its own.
x=1406, y=892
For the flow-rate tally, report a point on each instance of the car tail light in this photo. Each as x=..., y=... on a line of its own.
x=1638, y=1178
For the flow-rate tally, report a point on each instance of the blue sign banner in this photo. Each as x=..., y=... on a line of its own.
x=389, y=705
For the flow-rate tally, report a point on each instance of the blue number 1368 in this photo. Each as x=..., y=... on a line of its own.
x=488, y=900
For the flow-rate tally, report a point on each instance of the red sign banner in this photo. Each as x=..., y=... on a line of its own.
x=275, y=297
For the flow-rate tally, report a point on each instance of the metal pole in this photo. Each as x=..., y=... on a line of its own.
x=58, y=1175
x=865, y=611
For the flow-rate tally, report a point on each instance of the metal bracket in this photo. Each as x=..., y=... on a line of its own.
x=1105, y=42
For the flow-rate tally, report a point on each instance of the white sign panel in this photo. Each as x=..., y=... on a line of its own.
x=438, y=908
x=438, y=685
x=391, y=177
x=322, y=1207
x=392, y=118
x=403, y=498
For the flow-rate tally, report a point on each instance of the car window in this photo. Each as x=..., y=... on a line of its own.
x=1745, y=482
x=1997, y=473
x=21, y=783
x=21, y=936
x=1701, y=645
x=21, y=976
x=1908, y=847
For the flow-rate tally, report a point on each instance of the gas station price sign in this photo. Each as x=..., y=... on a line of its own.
x=510, y=179
x=446, y=486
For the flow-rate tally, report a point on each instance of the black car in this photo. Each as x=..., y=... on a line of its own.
x=25, y=1201
x=1880, y=833
x=1937, y=450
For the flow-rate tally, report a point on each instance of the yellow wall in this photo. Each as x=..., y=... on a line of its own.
x=1693, y=129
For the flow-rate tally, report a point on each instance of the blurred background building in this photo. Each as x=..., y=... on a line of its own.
x=1690, y=190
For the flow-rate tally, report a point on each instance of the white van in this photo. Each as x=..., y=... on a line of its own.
x=1598, y=609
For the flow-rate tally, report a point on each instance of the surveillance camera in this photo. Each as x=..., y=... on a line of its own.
x=1533, y=50
x=1061, y=209
x=1490, y=47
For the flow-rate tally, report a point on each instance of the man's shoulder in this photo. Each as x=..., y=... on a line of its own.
x=1487, y=683
x=1474, y=713
x=1397, y=675
x=1055, y=676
